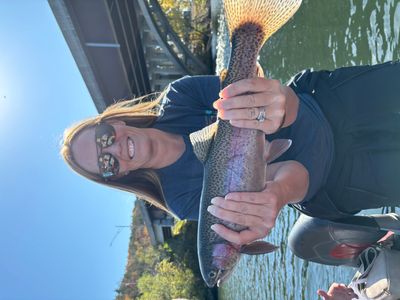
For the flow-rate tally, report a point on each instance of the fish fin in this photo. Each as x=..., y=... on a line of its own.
x=269, y=15
x=258, y=247
x=276, y=148
x=201, y=141
x=223, y=74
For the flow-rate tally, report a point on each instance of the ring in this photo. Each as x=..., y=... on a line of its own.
x=261, y=115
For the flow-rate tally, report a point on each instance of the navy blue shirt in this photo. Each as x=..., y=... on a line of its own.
x=188, y=107
x=312, y=143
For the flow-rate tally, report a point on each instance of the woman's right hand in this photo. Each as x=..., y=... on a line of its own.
x=287, y=183
x=338, y=291
x=255, y=210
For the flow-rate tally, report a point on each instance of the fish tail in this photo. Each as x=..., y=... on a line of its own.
x=269, y=15
x=250, y=24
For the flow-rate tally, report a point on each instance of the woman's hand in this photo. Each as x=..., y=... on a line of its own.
x=245, y=102
x=257, y=211
x=338, y=292
x=287, y=182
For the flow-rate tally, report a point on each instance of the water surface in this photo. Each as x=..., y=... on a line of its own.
x=324, y=34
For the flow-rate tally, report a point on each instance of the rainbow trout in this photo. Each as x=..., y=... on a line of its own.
x=233, y=158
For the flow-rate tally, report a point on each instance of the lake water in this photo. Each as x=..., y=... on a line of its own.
x=324, y=34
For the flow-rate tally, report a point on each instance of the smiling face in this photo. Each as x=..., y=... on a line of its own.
x=113, y=148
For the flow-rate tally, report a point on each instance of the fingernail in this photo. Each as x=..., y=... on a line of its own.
x=209, y=208
x=213, y=200
x=213, y=227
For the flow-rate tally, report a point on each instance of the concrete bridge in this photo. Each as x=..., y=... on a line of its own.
x=123, y=48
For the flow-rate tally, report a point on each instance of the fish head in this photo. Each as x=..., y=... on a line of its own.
x=224, y=258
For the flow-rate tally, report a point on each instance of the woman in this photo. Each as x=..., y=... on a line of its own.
x=344, y=155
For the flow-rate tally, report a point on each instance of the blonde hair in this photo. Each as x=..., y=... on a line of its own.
x=142, y=113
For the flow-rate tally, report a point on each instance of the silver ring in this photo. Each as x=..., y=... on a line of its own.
x=261, y=115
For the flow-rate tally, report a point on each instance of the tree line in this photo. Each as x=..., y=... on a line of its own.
x=167, y=271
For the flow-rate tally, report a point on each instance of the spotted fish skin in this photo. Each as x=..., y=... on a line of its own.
x=247, y=41
x=233, y=157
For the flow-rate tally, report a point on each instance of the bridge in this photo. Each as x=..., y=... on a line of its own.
x=123, y=48
x=126, y=49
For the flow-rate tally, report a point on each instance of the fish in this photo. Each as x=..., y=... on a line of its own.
x=234, y=158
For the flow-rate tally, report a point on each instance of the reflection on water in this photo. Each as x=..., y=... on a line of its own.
x=328, y=34
x=324, y=34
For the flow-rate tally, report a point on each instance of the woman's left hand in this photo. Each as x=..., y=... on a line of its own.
x=257, y=211
x=245, y=103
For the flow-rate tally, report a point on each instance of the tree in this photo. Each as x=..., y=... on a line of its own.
x=195, y=32
x=171, y=281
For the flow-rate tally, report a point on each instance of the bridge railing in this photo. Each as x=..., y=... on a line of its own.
x=155, y=16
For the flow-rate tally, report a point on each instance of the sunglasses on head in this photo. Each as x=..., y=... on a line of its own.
x=105, y=137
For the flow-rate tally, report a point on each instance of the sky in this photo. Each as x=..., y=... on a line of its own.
x=56, y=227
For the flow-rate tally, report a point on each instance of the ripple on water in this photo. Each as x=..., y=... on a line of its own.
x=324, y=34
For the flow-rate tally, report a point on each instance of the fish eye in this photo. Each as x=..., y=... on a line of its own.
x=212, y=274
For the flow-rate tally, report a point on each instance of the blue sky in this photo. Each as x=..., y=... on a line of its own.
x=55, y=226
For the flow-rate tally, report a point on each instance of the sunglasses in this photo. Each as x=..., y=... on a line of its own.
x=105, y=137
